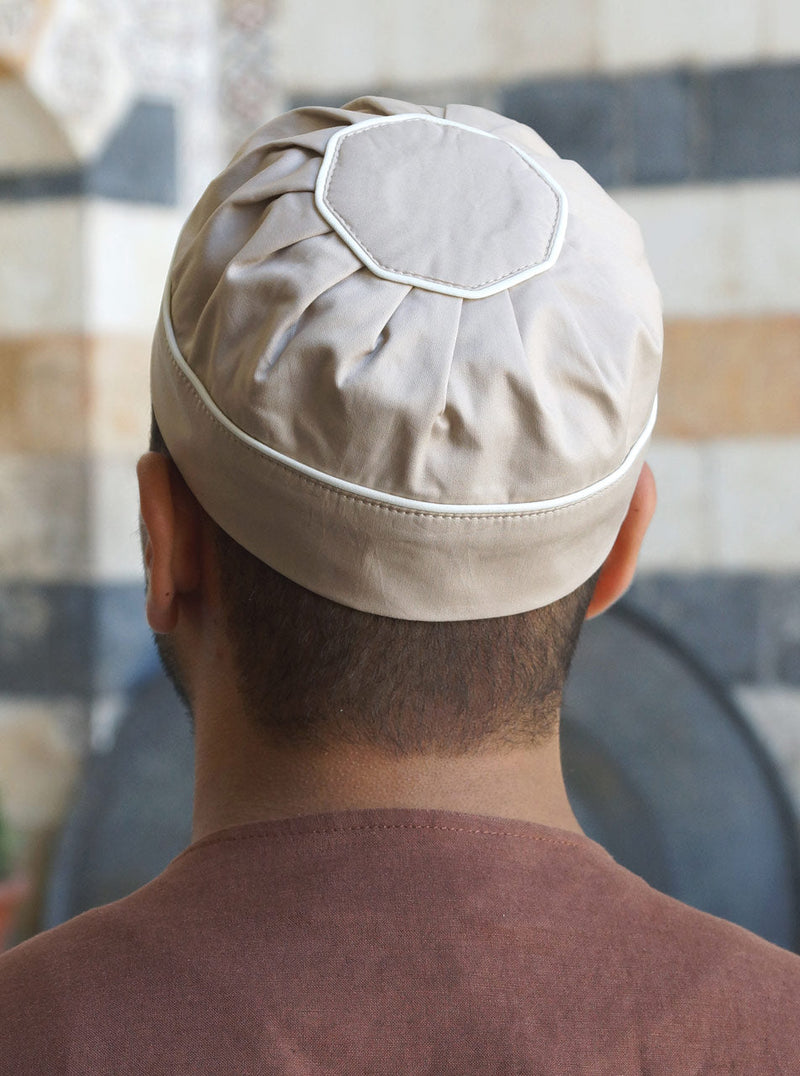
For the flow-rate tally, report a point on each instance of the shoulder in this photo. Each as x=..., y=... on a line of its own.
x=76, y=976
x=56, y=959
x=674, y=982
x=699, y=965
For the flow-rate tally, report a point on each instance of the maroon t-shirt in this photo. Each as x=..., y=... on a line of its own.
x=398, y=941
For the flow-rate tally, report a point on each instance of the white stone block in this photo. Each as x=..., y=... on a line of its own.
x=693, y=245
x=649, y=33
x=69, y=520
x=40, y=268
x=755, y=503
x=323, y=47
x=116, y=555
x=432, y=43
x=767, y=216
x=44, y=513
x=726, y=249
x=128, y=253
x=358, y=47
x=781, y=28
x=679, y=537
x=727, y=505
x=532, y=38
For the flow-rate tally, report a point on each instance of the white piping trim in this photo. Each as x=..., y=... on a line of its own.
x=341, y=484
x=426, y=283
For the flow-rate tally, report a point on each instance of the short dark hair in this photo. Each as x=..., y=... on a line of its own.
x=314, y=672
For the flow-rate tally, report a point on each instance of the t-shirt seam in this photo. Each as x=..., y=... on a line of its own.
x=335, y=830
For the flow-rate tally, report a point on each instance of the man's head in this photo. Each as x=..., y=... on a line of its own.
x=407, y=360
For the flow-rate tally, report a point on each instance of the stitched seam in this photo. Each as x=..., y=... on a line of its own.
x=475, y=517
x=433, y=279
x=376, y=827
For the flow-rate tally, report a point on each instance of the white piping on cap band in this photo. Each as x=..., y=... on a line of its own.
x=379, y=496
x=343, y=231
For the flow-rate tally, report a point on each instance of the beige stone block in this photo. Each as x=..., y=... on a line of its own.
x=32, y=138
x=649, y=33
x=116, y=554
x=43, y=397
x=754, y=500
x=679, y=537
x=41, y=267
x=781, y=28
x=44, y=511
x=775, y=714
x=532, y=38
x=128, y=250
x=726, y=249
x=74, y=394
x=731, y=377
x=40, y=757
x=119, y=394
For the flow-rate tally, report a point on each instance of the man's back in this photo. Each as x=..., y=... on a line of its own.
x=388, y=941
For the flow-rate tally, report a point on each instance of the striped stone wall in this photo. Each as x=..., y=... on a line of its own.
x=108, y=127
x=114, y=114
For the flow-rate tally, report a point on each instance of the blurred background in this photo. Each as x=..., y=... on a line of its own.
x=114, y=114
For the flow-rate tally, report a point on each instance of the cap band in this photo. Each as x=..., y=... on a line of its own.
x=412, y=505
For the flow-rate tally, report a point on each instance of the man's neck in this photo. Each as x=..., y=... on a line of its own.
x=242, y=779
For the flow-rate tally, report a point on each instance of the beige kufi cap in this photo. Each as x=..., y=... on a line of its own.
x=408, y=357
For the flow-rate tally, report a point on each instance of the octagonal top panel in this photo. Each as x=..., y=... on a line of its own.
x=439, y=205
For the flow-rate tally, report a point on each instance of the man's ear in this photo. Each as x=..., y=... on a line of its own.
x=617, y=572
x=171, y=539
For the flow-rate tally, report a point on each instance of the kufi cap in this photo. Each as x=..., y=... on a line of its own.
x=408, y=357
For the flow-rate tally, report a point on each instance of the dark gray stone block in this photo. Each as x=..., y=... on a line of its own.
x=580, y=118
x=72, y=640
x=779, y=639
x=789, y=664
x=123, y=647
x=45, y=640
x=715, y=614
x=662, y=126
x=753, y=122
x=138, y=164
x=27, y=186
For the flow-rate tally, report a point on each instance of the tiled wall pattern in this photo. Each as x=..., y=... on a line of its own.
x=114, y=114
